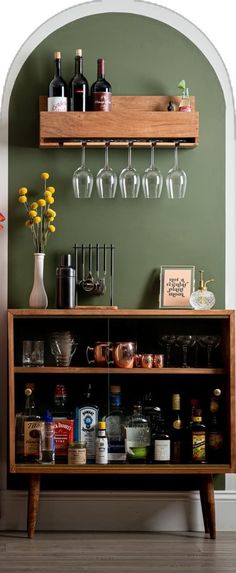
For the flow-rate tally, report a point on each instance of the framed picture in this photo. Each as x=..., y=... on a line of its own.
x=176, y=285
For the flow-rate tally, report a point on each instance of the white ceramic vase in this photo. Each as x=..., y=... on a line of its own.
x=38, y=296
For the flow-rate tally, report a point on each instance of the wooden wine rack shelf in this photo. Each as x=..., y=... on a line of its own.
x=140, y=119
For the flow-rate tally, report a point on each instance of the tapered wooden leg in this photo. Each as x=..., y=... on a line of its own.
x=207, y=496
x=33, y=503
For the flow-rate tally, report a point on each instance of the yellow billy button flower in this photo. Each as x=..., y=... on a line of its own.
x=41, y=202
x=22, y=199
x=51, y=228
x=51, y=189
x=47, y=194
x=51, y=213
x=23, y=191
x=50, y=200
x=32, y=213
x=28, y=223
x=37, y=220
x=44, y=176
x=34, y=205
x=50, y=219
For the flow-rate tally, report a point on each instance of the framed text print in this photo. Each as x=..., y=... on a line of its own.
x=176, y=285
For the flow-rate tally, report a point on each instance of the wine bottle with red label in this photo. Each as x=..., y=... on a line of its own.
x=101, y=91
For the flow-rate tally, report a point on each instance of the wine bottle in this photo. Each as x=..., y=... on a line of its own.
x=57, y=89
x=79, y=89
x=101, y=91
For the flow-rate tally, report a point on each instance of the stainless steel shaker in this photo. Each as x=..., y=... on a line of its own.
x=65, y=283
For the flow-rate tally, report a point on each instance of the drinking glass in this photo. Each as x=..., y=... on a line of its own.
x=129, y=179
x=185, y=341
x=176, y=180
x=209, y=342
x=152, y=179
x=168, y=340
x=106, y=179
x=82, y=179
x=33, y=353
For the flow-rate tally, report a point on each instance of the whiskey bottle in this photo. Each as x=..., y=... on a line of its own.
x=115, y=425
x=138, y=437
x=86, y=423
x=198, y=438
x=28, y=427
x=176, y=430
x=215, y=436
x=161, y=444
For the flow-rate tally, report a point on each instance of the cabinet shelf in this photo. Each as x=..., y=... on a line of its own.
x=139, y=119
x=109, y=371
x=125, y=469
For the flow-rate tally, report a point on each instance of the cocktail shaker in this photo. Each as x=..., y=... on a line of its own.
x=65, y=283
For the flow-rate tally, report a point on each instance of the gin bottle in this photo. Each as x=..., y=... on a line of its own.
x=86, y=423
x=138, y=437
x=115, y=423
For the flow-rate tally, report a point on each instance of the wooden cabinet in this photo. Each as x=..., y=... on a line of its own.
x=140, y=119
x=146, y=327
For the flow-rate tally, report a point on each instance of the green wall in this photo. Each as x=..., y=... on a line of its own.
x=143, y=56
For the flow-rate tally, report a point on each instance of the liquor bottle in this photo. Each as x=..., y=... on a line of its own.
x=198, y=438
x=101, y=444
x=60, y=402
x=161, y=444
x=48, y=439
x=28, y=427
x=101, y=91
x=79, y=88
x=176, y=430
x=215, y=435
x=86, y=423
x=138, y=437
x=57, y=89
x=115, y=424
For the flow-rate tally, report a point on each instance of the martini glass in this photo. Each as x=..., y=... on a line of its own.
x=168, y=340
x=152, y=179
x=210, y=342
x=185, y=341
x=106, y=179
x=176, y=180
x=82, y=179
x=129, y=179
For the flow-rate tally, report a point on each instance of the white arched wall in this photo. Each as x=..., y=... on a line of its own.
x=185, y=27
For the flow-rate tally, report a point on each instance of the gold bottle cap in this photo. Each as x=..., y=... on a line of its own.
x=28, y=391
x=175, y=401
x=217, y=392
x=101, y=425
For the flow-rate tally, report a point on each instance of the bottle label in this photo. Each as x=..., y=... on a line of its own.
x=76, y=456
x=57, y=103
x=215, y=440
x=86, y=422
x=199, y=446
x=177, y=424
x=102, y=101
x=137, y=443
x=101, y=450
x=162, y=450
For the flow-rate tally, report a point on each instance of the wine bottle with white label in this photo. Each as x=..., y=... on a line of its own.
x=57, y=89
x=101, y=91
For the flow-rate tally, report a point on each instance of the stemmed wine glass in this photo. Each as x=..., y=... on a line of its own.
x=176, y=180
x=106, y=179
x=152, y=179
x=185, y=341
x=129, y=179
x=168, y=340
x=209, y=342
x=82, y=179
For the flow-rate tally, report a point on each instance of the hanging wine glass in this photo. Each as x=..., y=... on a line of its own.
x=106, y=179
x=82, y=179
x=129, y=179
x=152, y=179
x=176, y=180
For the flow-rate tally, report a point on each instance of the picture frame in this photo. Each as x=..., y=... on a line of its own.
x=176, y=285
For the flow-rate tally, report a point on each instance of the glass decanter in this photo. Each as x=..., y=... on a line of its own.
x=202, y=299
